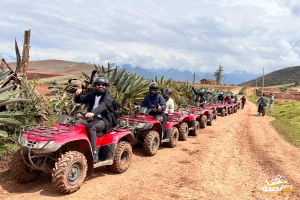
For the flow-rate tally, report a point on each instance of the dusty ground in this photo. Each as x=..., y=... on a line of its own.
x=230, y=160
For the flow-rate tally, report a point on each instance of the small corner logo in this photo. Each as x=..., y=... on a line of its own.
x=277, y=185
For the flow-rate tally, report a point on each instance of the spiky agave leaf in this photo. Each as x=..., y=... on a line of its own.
x=11, y=114
x=14, y=100
x=2, y=90
x=9, y=121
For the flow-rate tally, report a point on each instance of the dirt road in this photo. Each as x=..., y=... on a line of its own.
x=230, y=160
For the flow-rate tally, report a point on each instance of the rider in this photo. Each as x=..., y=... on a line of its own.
x=157, y=103
x=99, y=111
x=262, y=102
x=209, y=98
x=221, y=97
x=200, y=99
x=234, y=98
x=169, y=101
x=227, y=99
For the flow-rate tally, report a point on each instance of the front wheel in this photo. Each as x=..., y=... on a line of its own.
x=69, y=172
x=151, y=143
x=215, y=114
x=210, y=120
x=122, y=158
x=203, y=121
x=173, y=138
x=20, y=172
x=183, y=131
x=194, y=132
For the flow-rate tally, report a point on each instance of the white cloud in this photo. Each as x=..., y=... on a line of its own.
x=193, y=35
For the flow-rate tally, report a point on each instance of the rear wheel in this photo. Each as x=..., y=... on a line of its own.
x=173, y=138
x=196, y=129
x=263, y=111
x=151, y=143
x=20, y=172
x=210, y=120
x=183, y=131
x=69, y=172
x=203, y=121
x=122, y=158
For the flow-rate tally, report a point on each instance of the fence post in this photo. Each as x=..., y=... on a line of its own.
x=25, y=53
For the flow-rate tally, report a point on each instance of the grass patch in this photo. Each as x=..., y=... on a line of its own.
x=287, y=118
x=7, y=148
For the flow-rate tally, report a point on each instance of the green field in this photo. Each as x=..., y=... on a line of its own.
x=287, y=118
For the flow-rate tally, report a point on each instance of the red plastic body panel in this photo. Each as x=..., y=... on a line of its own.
x=62, y=134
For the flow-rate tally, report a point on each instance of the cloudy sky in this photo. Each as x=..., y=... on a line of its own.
x=192, y=34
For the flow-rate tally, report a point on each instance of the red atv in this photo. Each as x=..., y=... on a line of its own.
x=222, y=109
x=232, y=107
x=148, y=131
x=206, y=115
x=214, y=108
x=188, y=122
x=65, y=151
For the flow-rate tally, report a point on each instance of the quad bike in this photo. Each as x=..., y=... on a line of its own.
x=188, y=123
x=148, y=131
x=222, y=108
x=206, y=115
x=65, y=151
x=230, y=108
x=214, y=108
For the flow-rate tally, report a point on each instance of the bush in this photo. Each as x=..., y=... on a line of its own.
x=242, y=91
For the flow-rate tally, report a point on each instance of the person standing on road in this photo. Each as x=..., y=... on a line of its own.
x=271, y=101
x=243, y=99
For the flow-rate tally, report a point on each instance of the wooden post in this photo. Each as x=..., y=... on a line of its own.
x=25, y=54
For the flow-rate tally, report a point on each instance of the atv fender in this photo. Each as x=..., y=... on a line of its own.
x=114, y=137
x=54, y=145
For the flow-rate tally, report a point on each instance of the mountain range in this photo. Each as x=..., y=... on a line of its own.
x=236, y=77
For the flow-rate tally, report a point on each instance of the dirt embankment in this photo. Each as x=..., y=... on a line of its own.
x=230, y=160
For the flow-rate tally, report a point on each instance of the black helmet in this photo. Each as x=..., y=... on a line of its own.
x=102, y=80
x=153, y=86
x=167, y=91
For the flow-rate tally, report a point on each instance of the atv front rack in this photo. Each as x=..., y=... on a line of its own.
x=29, y=144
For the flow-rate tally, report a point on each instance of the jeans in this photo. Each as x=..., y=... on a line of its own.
x=270, y=107
x=163, y=120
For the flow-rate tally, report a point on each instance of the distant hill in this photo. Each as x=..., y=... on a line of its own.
x=61, y=67
x=236, y=77
x=280, y=77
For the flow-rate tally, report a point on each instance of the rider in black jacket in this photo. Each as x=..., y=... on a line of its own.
x=99, y=112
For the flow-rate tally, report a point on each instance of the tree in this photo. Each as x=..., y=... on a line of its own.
x=219, y=74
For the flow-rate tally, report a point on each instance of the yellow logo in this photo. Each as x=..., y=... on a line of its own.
x=277, y=185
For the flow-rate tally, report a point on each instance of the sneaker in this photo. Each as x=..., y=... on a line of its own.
x=95, y=156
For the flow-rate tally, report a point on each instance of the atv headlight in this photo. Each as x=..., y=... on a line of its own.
x=23, y=140
x=141, y=125
x=123, y=122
